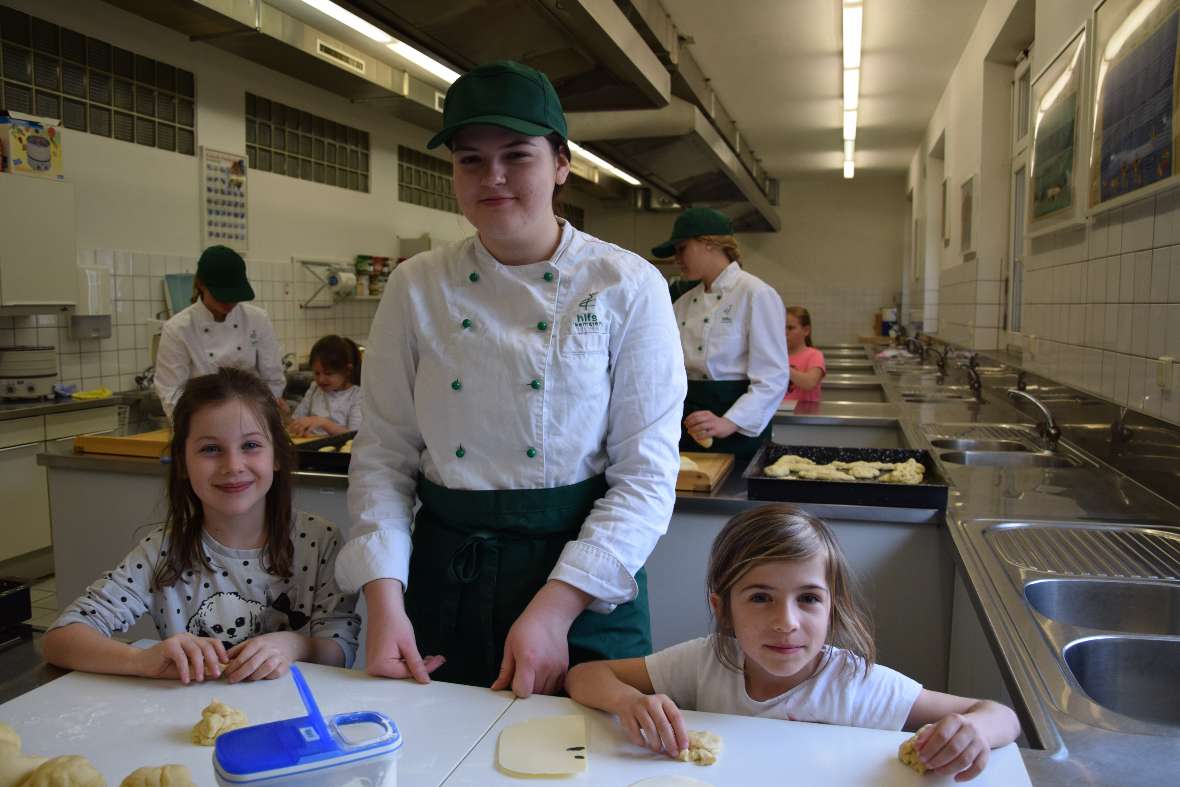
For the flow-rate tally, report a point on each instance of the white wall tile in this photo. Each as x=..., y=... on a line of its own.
x=1096, y=281
x=1077, y=324
x=1136, y=377
x=127, y=361
x=1122, y=378
x=1143, y=277
x=1123, y=330
x=1138, y=224
x=1113, y=267
x=1157, y=330
x=1172, y=338
x=1139, y=329
x=1161, y=267
x=1127, y=278
x=1108, y=374
x=1167, y=210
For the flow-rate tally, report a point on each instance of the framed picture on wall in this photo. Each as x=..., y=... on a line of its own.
x=1056, y=162
x=966, y=215
x=1133, y=130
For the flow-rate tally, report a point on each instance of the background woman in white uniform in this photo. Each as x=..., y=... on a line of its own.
x=525, y=385
x=217, y=330
x=732, y=331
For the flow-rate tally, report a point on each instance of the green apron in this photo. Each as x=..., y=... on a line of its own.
x=717, y=396
x=479, y=558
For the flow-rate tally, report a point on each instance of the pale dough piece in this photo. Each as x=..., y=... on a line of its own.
x=822, y=473
x=8, y=737
x=14, y=766
x=688, y=464
x=908, y=472
x=68, y=771
x=703, y=748
x=909, y=755
x=346, y=448
x=328, y=449
x=159, y=776
x=545, y=746
x=862, y=470
x=216, y=719
x=783, y=466
x=706, y=442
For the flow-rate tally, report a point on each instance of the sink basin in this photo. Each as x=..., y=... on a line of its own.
x=1137, y=677
x=1131, y=607
x=979, y=445
x=1006, y=459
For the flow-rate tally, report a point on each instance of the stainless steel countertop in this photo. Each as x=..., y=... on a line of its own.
x=27, y=409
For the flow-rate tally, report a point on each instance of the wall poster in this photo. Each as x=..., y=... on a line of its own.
x=223, y=200
x=1055, y=163
x=1133, y=131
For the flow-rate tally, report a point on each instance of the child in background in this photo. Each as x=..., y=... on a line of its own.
x=807, y=363
x=237, y=583
x=792, y=641
x=333, y=402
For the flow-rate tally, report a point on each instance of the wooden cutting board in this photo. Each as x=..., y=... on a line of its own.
x=712, y=470
x=149, y=444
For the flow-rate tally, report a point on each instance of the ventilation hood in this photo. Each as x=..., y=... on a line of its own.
x=681, y=153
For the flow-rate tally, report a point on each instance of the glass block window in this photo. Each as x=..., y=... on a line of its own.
x=93, y=86
x=425, y=180
x=288, y=141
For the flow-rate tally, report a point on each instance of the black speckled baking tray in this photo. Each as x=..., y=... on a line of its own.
x=931, y=493
x=311, y=458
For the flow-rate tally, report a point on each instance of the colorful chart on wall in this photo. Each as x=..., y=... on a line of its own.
x=1133, y=130
x=1055, y=163
x=223, y=199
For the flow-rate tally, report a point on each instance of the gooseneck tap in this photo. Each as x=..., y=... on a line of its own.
x=1047, y=428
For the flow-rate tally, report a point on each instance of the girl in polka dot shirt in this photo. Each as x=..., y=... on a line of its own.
x=238, y=584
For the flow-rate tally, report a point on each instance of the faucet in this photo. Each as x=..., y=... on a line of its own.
x=145, y=379
x=1047, y=428
x=941, y=356
x=1022, y=380
x=975, y=383
x=288, y=361
x=914, y=345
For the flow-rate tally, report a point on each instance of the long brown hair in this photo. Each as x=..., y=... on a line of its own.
x=338, y=355
x=804, y=317
x=186, y=514
x=777, y=532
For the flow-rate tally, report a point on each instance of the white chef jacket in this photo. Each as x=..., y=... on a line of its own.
x=737, y=330
x=343, y=407
x=575, y=360
x=193, y=343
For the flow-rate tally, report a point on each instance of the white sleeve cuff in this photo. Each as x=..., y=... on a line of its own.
x=384, y=554
x=597, y=573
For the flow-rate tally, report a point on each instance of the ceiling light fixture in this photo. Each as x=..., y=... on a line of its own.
x=424, y=61
x=851, y=87
x=603, y=164
x=849, y=169
x=850, y=124
x=853, y=22
x=853, y=25
x=349, y=19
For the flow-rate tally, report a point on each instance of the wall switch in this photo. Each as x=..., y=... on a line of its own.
x=1163, y=372
x=1032, y=344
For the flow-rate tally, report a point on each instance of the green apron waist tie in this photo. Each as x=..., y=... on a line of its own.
x=480, y=556
x=717, y=396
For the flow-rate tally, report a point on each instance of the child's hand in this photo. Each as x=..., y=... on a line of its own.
x=955, y=746
x=265, y=657
x=304, y=425
x=183, y=657
x=653, y=721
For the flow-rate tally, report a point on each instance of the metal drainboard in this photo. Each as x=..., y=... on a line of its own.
x=981, y=432
x=1090, y=552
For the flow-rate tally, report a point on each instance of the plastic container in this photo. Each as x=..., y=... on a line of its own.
x=345, y=750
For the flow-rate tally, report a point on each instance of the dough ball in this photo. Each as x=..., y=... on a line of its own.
x=68, y=771
x=346, y=448
x=159, y=776
x=706, y=442
x=328, y=449
x=8, y=737
x=703, y=748
x=14, y=766
x=688, y=464
x=908, y=753
x=216, y=719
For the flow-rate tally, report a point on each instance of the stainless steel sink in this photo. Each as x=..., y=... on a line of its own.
x=1111, y=605
x=918, y=398
x=1007, y=459
x=962, y=444
x=1135, y=676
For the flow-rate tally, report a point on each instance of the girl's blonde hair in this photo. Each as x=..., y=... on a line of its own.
x=778, y=532
x=727, y=244
x=804, y=317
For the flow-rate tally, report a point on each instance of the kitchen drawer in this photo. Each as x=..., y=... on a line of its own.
x=25, y=492
x=19, y=431
x=76, y=422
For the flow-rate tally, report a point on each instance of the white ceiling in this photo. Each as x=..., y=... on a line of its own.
x=776, y=65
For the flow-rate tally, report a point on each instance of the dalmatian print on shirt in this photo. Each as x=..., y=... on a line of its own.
x=227, y=617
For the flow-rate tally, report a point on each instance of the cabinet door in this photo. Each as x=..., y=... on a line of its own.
x=25, y=492
x=20, y=431
x=76, y=422
x=39, y=256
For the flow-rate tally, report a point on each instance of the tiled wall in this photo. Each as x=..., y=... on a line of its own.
x=138, y=294
x=1103, y=302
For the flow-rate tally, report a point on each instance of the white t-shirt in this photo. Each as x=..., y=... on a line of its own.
x=839, y=693
x=343, y=407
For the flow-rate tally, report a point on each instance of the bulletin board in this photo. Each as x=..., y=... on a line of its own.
x=1133, y=127
x=224, y=200
x=1057, y=163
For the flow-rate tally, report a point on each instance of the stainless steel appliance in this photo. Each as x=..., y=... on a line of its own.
x=27, y=372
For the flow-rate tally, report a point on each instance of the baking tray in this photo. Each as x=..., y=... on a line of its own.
x=311, y=458
x=16, y=604
x=931, y=493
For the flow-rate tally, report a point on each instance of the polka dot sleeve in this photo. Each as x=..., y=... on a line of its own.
x=333, y=614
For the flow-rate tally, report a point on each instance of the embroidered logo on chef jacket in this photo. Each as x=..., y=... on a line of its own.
x=253, y=337
x=727, y=314
x=586, y=319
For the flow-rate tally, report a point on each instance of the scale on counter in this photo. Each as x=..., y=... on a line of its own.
x=345, y=749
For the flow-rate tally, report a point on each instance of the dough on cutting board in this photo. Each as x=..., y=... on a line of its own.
x=67, y=771
x=546, y=746
x=14, y=766
x=216, y=718
x=688, y=464
x=703, y=748
x=159, y=776
x=909, y=755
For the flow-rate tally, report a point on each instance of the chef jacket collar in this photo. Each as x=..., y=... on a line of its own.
x=727, y=278
x=203, y=314
x=559, y=260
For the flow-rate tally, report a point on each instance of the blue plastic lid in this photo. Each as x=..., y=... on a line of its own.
x=301, y=745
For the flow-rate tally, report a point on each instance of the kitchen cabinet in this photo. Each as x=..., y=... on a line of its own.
x=98, y=420
x=39, y=256
x=23, y=488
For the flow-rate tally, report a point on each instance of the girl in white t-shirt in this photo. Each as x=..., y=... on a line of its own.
x=333, y=402
x=792, y=641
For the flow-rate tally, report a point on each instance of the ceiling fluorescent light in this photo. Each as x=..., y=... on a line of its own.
x=350, y=19
x=424, y=61
x=603, y=165
x=849, y=149
x=850, y=124
x=851, y=87
x=853, y=17
x=849, y=169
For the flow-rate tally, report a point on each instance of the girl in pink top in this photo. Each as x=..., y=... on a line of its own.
x=807, y=363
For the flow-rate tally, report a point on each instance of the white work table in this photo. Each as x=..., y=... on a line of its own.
x=450, y=733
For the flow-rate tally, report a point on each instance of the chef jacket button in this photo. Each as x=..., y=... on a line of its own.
x=682, y=322
x=694, y=300
x=466, y=323
x=460, y=452
x=699, y=348
x=542, y=326
x=235, y=325
x=206, y=330
x=719, y=297
x=548, y=276
x=210, y=355
x=456, y=385
x=473, y=276
x=531, y=452
x=706, y=319
x=535, y=384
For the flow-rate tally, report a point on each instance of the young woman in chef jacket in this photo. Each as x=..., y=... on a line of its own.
x=525, y=386
x=733, y=335
x=807, y=362
x=217, y=330
x=793, y=641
